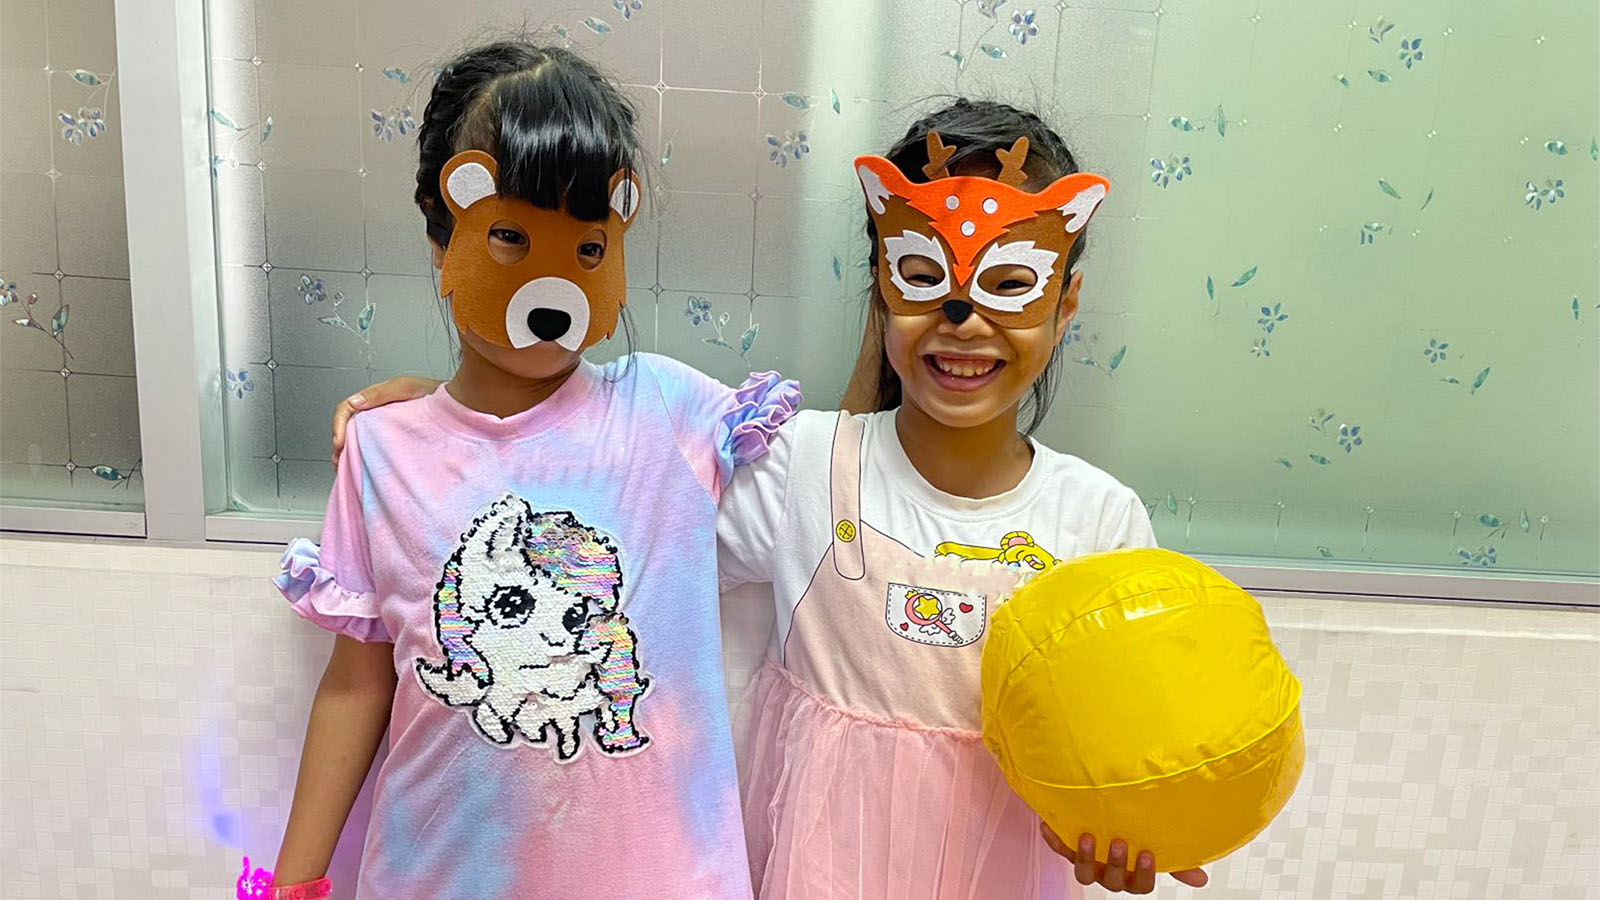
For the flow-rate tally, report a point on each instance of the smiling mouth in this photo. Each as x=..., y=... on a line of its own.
x=962, y=373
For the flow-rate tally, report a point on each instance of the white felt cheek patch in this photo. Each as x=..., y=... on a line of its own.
x=913, y=243
x=1016, y=253
x=548, y=309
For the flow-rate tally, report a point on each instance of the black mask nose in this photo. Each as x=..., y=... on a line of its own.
x=548, y=324
x=957, y=311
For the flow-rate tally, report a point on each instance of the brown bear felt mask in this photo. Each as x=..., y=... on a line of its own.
x=552, y=293
x=962, y=226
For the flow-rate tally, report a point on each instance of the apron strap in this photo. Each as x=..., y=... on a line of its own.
x=845, y=488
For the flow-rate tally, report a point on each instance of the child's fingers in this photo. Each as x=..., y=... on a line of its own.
x=1055, y=843
x=394, y=390
x=1083, y=868
x=1144, y=874
x=341, y=418
x=1116, y=876
x=1192, y=877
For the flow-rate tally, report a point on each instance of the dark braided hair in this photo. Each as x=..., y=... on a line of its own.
x=977, y=128
x=558, y=128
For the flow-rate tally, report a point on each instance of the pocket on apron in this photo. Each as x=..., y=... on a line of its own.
x=935, y=617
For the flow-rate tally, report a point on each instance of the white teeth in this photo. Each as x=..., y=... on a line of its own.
x=964, y=368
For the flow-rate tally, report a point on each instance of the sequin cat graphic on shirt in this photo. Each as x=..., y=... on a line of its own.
x=526, y=614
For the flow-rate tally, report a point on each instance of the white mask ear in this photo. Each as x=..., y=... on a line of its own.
x=880, y=180
x=468, y=177
x=1082, y=206
x=625, y=195
x=872, y=186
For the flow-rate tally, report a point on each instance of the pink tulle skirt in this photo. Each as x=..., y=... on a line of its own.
x=842, y=806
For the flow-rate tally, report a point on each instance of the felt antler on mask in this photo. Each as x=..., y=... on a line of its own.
x=1011, y=163
x=938, y=158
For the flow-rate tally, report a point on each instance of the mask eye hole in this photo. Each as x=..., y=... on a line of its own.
x=508, y=243
x=1008, y=280
x=917, y=266
x=921, y=271
x=1013, y=275
x=592, y=249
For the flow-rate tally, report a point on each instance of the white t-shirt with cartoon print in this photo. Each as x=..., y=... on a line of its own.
x=775, y=521
x=858, y=758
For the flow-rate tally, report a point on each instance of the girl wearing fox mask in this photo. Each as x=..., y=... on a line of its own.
x=539, y=641
x=863, y=771
x=866, y=776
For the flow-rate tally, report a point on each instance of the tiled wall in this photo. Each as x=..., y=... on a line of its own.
x=152, y=703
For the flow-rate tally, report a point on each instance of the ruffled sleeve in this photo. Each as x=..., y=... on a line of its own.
x=332, y=586
x=764, y=402
x=318, y=597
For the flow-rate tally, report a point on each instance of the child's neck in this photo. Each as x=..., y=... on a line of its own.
x=482, y=386
x=982, y=461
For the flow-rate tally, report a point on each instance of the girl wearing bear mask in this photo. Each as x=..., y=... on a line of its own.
x=508, y=599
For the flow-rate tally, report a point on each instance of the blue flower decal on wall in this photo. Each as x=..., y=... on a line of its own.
x=1349, y=437
x=1539, y=196
x=1271, y=317
x=1173, y=168
x=1022, y=26
x=239, y=383
x=1411, y=51
x=792, y=146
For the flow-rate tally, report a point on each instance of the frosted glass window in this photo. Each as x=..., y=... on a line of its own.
x=1341, y=304
x=69, y=413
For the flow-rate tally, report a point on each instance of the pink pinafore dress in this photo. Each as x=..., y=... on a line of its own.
x=867, y=776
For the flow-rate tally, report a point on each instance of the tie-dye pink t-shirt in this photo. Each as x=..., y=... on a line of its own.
x=549, y=583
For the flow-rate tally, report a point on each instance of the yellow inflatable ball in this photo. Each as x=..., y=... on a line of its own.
x=1138, y=695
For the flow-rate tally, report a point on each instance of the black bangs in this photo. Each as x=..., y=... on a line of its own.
x=558, y=128
x=560, y=132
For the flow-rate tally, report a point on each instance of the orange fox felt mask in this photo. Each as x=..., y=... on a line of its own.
x=550, y=294
x=967, y=225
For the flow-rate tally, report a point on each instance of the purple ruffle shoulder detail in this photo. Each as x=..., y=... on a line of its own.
x=316, y=597
x=764, y=402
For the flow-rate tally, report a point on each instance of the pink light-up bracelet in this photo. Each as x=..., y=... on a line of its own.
x=321, y=889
